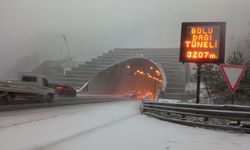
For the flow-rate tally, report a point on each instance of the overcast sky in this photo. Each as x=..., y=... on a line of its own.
x=96, y=26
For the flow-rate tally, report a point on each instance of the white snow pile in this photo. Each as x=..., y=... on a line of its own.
x=169, y=100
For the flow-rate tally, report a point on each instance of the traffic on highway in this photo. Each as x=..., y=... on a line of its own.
x=124, y=75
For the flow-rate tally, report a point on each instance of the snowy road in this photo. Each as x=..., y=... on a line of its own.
x=107, y=126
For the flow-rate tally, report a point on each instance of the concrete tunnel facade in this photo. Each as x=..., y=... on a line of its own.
x=140, y=76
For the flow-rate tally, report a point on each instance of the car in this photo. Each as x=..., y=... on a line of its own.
x=64, y=90
x=132, y=94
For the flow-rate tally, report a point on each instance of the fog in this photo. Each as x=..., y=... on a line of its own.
x=34, y=27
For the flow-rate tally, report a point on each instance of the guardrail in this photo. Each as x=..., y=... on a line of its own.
x=225, y=117
x=59, y=101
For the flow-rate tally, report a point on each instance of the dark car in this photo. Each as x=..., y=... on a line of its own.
x=64, y=90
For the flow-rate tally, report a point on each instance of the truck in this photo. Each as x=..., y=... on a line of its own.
x=28, y=86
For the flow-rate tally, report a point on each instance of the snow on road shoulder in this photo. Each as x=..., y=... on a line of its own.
x=145, y=133
x=40, y=133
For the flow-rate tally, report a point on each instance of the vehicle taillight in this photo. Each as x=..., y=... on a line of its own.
x=58, y=87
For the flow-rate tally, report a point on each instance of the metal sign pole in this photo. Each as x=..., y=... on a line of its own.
x=198, y=83
x=232, y=99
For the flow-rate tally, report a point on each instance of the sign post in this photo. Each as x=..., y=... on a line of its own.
x=202, y=42
x=198, y=83
x=233, y=75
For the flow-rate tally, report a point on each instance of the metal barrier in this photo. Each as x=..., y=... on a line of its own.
x=225, y=117
x=59, y=101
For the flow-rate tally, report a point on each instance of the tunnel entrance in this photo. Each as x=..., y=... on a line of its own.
x=136, y=78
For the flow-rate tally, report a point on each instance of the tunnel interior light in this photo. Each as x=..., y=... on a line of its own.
x=128, y=66
x=148, y=75
x=158, y=73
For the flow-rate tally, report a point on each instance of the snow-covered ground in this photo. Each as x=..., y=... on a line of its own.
x=107, y=126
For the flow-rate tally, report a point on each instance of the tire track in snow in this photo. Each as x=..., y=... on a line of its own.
x=86, y=132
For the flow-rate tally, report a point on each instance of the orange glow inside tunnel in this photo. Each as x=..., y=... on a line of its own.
x=137, y=78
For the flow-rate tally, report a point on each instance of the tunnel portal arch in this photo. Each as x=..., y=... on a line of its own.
x=138, y=76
